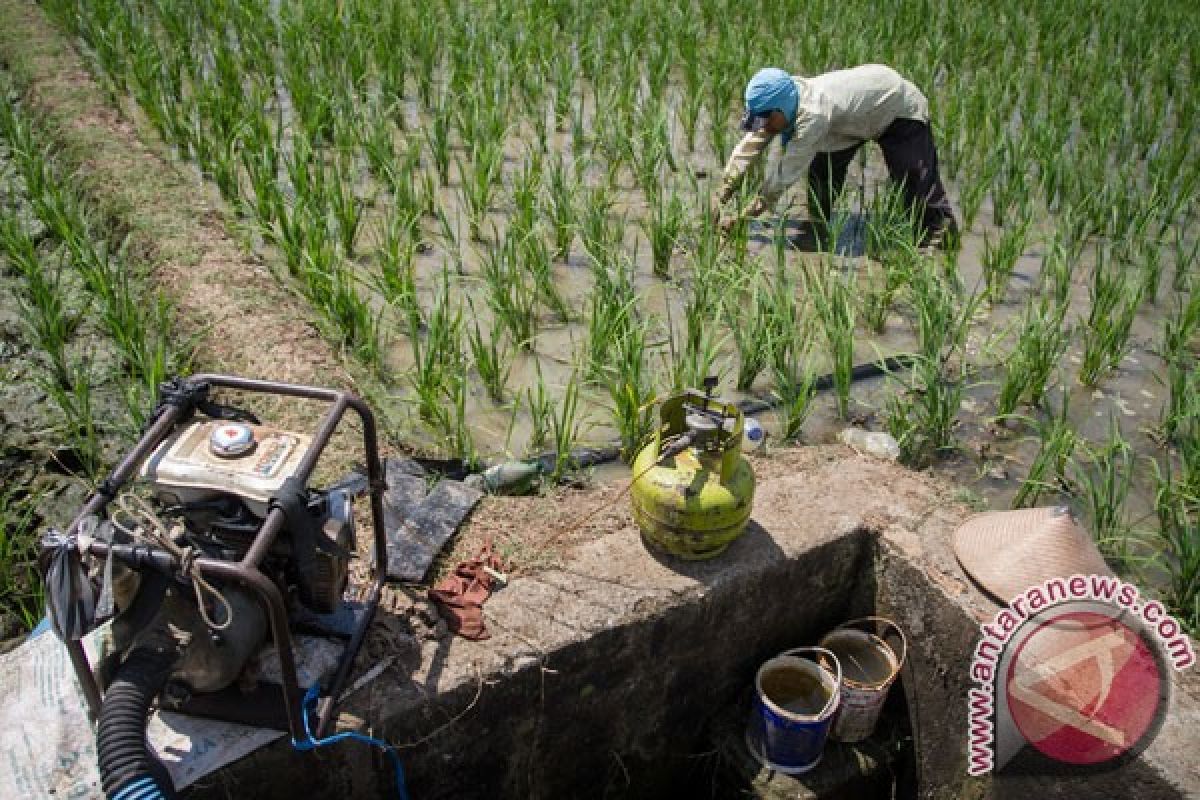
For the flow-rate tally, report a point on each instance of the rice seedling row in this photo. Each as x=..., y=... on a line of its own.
x=84, y=346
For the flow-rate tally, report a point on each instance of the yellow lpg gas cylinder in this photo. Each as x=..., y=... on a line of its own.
x=693, y=489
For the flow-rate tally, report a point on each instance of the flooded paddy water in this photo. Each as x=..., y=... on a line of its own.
x=991, y=459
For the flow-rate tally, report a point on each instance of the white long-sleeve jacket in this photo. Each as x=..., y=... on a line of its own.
x=836, y=110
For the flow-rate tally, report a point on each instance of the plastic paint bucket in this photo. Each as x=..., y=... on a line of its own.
x=795, y=701
x=869, y=666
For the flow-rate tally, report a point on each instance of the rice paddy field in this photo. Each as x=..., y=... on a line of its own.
x=499, y=213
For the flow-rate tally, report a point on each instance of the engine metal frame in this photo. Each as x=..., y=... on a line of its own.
x=246, y=571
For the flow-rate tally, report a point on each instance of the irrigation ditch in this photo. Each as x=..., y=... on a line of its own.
x=613, y=674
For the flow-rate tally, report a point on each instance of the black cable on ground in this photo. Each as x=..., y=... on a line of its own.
x=860, y=372
x=584, y=457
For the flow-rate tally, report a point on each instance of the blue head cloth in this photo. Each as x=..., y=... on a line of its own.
x=773, y=88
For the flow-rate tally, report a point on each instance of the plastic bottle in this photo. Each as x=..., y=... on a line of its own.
x=754, y=435
x=873, y=443
x=511, y=477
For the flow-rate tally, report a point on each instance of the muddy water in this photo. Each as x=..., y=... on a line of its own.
x=863, y=660
x=991, y=462
x=798, y=691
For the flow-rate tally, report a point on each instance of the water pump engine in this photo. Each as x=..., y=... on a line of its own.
x=218, y=547
x=221, y=478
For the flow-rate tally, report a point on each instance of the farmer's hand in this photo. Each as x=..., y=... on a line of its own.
x=727, y=222
x=757, y=208
x=730, y=221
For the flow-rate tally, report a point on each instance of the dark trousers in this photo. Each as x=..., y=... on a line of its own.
x=911, y=160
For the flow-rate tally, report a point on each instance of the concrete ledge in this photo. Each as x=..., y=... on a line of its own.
x=603, y=678
x=921, y=587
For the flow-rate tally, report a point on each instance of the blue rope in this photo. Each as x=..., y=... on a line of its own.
x=311, y=743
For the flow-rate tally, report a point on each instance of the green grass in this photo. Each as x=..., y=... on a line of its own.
x=1115, y=297
x=1048, y=474
x=1178, y=555
x=795, y=389
x=137, y=323
x=883, y=280
x=1042, y=340
x=1103, y=477
x=46, y=314
x=612, y=310
x=541, y=412
x=922, y=410
x=21, y=593
x=630, y=389
x=437, y=358
x=567, y=425
x=1000, y=258
x=832, y=300
x=560, y=206
x=512, y=294
x=493, y=359
x=748, y=312
x=662, y=227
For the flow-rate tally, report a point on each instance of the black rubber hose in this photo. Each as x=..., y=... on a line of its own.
x=127, y=768
x=592, y=456
x=141, y=613
x=584, y=457
x=872, y=369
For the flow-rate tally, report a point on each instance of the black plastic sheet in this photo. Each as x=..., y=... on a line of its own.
x=70, y=594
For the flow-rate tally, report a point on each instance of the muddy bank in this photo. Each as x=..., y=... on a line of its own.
x=609, y=671
x=46, y=467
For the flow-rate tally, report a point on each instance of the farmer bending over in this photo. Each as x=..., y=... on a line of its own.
x=823, y=121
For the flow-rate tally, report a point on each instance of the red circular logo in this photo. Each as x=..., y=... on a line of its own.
x=1084, y=688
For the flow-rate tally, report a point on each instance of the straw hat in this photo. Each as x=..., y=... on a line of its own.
x=1006, y=552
